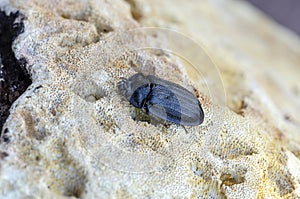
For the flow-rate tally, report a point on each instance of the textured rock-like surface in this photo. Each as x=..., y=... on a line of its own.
x=71, y=134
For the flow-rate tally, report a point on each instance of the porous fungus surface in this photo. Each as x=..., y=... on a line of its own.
x=72, y=134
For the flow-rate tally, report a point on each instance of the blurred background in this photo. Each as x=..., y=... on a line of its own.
x=285, y=12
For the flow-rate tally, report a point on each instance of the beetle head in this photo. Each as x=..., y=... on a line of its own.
x=128, y=86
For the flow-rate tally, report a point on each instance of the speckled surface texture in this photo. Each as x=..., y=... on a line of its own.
x=72, y=135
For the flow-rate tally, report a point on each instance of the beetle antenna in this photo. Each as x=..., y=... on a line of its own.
x=184, y=129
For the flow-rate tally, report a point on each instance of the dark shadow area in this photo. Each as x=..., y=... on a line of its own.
x=14, y=79
x=285, y=12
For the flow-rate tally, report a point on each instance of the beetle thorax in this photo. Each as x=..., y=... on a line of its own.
x=130, y=85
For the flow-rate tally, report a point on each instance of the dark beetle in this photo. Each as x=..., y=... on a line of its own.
x=163, y=99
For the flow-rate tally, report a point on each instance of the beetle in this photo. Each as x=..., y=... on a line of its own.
x=163, y=99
